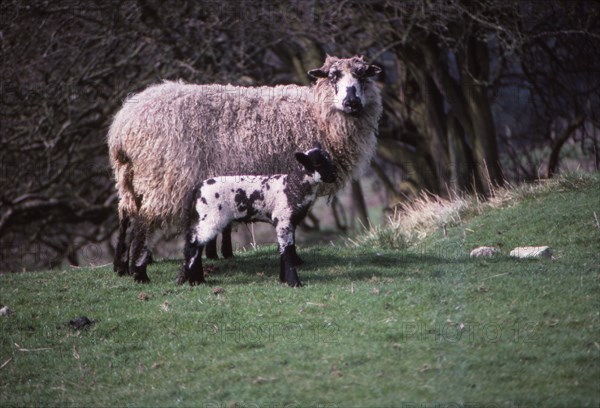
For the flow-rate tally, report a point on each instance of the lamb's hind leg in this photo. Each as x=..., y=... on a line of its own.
x=139, y=251
x=121, y=261
x=211, y=249
x=226, y=247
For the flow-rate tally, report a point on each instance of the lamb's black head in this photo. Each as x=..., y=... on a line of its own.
x=318, y=163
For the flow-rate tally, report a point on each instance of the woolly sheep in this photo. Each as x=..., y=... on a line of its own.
x=170, y=135
x=281, y=200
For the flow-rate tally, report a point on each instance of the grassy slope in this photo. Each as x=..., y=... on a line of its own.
x=370, y=328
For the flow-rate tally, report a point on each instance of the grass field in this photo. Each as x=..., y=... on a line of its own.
x=421, y=327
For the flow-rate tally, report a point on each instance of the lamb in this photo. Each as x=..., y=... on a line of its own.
x=170, y=135
x=282, y=200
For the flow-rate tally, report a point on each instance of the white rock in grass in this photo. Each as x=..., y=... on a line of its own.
x=484, y=251
x=532, y=252
x=5, y=311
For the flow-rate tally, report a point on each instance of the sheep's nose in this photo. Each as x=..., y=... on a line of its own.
x=352, y=103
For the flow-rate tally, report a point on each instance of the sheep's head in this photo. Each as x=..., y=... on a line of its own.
x=317, y=162
x=350, y=80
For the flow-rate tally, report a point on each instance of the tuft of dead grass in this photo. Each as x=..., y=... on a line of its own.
x=416, y=220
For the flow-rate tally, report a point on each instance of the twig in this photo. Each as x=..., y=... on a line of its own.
x=315, y=304
x=19, y=348
x=5, y=363
x=494, y=276
x=596, y=218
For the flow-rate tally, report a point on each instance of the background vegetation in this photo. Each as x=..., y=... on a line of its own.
x=475, y=93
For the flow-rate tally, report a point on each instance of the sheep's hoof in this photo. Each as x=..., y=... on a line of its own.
x=121, y=268
x=141, y=278
x=181, y=279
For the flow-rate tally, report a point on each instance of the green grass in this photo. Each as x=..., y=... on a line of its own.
x=372, y=327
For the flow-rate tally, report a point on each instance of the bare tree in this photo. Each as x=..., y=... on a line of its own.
x=474, y=92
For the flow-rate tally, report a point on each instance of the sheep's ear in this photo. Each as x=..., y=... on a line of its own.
x=318, y=73
x=303, y=159
x=373, y=70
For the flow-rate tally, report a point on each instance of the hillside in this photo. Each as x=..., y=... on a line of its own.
x=373, y=326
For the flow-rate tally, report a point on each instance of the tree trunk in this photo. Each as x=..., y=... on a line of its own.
x=558, y=144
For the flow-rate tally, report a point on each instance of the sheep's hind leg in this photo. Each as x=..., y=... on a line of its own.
x=121, y=261
x=191, y=270
x=226, y=247
x=139, y=251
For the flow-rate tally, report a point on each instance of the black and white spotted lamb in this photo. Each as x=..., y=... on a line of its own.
x=282, y=200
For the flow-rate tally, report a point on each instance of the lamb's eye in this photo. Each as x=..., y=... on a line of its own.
x=334, y=76
x=360, y=72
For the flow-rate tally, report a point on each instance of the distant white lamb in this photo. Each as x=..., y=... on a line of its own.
x=282, y=200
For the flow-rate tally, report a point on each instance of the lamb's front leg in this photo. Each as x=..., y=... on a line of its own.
x=191, y=270
x=287, y=250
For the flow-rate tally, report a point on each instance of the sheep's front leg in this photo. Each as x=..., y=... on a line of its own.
x=139, y=251
x=121, y=261
x=287, y=249
x=191, y=270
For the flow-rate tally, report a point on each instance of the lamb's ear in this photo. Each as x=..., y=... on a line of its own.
x=373, y=70
x=318, y=73
x=304, y=160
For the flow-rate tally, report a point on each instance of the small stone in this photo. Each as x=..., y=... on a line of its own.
x=532, y=252
x=5, y=311
x=484, y=251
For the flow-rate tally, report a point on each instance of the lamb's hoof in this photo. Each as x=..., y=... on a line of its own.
x=195, y=282
x=227, y=255
x=295, y=284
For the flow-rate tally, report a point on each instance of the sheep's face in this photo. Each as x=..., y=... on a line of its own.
x=318, y=163
x=350, y=80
